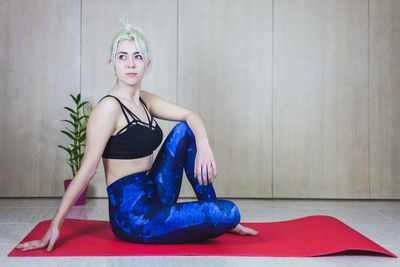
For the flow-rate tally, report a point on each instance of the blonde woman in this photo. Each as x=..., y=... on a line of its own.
x=143, y=194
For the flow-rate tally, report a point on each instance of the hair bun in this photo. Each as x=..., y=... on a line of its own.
x=128, y=26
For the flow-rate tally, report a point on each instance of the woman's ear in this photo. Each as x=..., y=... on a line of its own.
x=111, y=66
x=148, y=64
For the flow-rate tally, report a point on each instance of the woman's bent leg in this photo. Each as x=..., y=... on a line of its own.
x=180, y=222
x=178, y=151
x=143, y=207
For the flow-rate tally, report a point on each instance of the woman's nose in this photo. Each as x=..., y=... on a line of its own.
x=131, y=62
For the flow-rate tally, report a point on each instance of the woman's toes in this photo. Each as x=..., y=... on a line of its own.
x=253, y=232
x=241, y=230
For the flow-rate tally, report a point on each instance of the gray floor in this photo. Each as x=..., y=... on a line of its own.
x=378, y=220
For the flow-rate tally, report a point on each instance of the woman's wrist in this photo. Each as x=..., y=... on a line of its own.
x=202, y=144
x=55, y=225
x=203, y=141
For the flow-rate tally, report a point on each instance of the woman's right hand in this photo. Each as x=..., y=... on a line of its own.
x=49, y=239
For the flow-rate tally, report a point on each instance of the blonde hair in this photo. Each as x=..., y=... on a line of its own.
x=133, y=34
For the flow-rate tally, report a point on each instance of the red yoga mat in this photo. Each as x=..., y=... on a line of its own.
x=309, y=236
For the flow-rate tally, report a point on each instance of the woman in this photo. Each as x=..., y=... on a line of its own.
x=142, y=195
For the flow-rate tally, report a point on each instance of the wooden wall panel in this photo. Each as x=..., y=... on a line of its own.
x=320, y=117
x=384, y=54
x=224, y=72
x=100, y=23
x=39, y=53
x=300, y=100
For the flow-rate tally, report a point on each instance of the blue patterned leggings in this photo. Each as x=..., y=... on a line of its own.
x=143, y=206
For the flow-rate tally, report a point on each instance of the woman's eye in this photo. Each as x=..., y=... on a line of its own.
x=139, y=56
x=121, y=56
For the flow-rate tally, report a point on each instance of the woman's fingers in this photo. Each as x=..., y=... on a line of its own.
x=23, y=245
x=215, y=169
x=205, y=169
x=210, y=176
x=195, y=169
x=30, y=245
x=53, y=236
x=204, y=174
x=198, y=173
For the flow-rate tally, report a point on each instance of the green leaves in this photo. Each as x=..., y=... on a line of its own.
x=78, y=134
x=65, y=148
x=82, y=138
x=82, y=104
x=69, y=133
x=70, y=122
x=76, y=99
x=69, y=109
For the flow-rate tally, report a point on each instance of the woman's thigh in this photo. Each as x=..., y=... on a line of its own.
x=179, y=222
x=167, y=168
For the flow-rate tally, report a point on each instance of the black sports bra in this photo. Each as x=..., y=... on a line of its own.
x=139, y=139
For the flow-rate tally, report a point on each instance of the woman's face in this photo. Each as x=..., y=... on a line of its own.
x=129, y=63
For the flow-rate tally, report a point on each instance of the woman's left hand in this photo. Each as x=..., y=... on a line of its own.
x=204, y=167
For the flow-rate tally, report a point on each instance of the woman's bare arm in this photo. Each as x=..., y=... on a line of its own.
x=101, y=124
x=205, y=166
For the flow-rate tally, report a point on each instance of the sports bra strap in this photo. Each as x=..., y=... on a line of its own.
x=122, y=106
x=135, y=118
x=147, y=113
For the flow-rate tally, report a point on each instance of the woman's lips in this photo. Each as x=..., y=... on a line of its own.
x=131, y=74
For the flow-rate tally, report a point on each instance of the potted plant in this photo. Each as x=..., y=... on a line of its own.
x=77, y=135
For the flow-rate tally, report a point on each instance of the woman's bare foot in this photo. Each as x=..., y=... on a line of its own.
x=241, y=230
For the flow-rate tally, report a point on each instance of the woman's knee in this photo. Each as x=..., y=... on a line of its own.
x=230, y=210
x=182, y=127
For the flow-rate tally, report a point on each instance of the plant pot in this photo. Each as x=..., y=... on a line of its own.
x=82, y=198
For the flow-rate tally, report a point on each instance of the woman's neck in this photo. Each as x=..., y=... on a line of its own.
x=128, y=92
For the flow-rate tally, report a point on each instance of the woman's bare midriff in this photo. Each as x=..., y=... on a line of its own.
x=117, y=168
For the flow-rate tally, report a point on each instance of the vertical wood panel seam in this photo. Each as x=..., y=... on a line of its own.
x=177, y=51
x=369, y=131
x=272, y=103
x=80, y=50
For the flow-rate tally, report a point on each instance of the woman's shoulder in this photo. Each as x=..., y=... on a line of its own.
x=107, y=105
x=146, y=95
x=147, y=98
